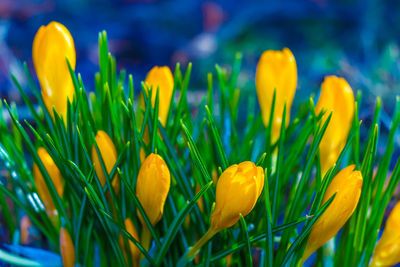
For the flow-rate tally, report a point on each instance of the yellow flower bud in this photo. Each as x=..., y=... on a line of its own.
x=134, y=250
x=161, y=79
x=41, y=186
x=52, y=45
x=276, y=70
x=67, y=248
x=109, y=154
x=238, y=189
x=152, y=187
x=347, y=186
x=387, y=251
x=336, y=97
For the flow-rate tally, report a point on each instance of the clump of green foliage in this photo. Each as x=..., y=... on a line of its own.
x=227, y=129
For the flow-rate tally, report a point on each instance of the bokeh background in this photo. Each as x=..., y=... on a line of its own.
x=356, y=39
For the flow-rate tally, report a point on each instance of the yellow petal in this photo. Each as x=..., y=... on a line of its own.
x=347, y=186
x=41, y=186
x=387, y=251
x=161, y=79
x=276, y=70
x=238, y=189
x=336, y=97
x=51, y=46
x=67, y=248
x=152, y=187
x=109, y=154
x=134, y=250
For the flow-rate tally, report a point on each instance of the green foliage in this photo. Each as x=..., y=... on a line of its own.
x=227, y=130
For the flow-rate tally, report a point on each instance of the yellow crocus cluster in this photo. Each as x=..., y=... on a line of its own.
x=277, y=72
x=240, y=185
x=238, y=189
x=53, y=44
x=387, y=251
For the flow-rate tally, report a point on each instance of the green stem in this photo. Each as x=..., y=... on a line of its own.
x=146, y=238
x=207, y=236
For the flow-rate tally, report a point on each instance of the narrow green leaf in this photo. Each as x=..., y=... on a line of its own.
x=248, y=255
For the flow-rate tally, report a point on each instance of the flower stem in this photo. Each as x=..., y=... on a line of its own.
x=207, y=236
x=146, y=238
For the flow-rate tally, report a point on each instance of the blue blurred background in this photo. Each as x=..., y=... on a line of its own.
x=357, y=39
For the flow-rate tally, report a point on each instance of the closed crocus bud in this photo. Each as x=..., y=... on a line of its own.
x=336, y=97
x=52, y=45
x=152, y=188
x=387, y=251
x=133, y=249
x=238, y=189
x=109, y=155
x=41, y=186
x=161, y=79
x=67, y=248
x=276, y=70
x=347, y=186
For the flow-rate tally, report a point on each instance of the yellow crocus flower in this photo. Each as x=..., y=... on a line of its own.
x=347, y=186
x=109, y=154
x=67, y=248
x=161, y=79
x=238, y=189
x=336, y=97
x=152, y=187
x=276, y=70
x=41, y=186
x=387, y=251
x=51, y=46
x=134, y=250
